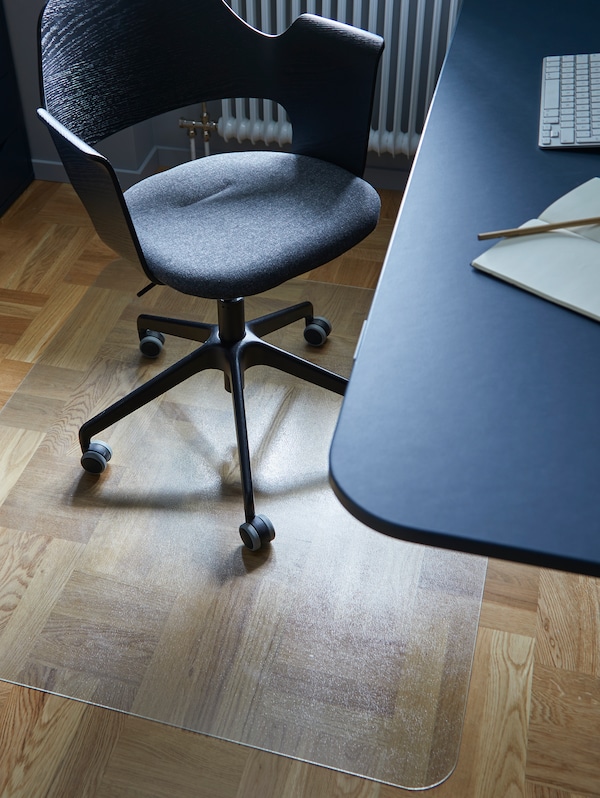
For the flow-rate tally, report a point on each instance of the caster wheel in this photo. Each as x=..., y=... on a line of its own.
x=316, y=332
x=151, y=344
x=257, y=533
x=96, y=457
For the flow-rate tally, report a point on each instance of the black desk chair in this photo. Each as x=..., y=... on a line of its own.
x=225, y=226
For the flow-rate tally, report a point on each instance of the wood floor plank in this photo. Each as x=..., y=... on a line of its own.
x=84, y=760
x=17, y=253
x=156, y=761
x=47, y=323
x=24, y=213
x=271, y=777
x=61, y=205
x=36, y=728
x=80, y=633
x=48, y=565
x=536, y=789
x=506, y=708
x=12, y=374
x=510, y=599
x=564, y=731
x=17, y=447
x=47, y=263
x=91, y=263
x=17, y=310
x=81, y=334
x=568, y=628
x=20, y=557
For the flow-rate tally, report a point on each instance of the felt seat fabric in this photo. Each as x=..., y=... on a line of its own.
x=237, y=224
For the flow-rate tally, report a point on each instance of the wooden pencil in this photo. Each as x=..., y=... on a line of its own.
x=513, y=232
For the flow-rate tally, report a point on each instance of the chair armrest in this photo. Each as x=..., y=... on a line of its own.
x=326, y=78
x=96, y=184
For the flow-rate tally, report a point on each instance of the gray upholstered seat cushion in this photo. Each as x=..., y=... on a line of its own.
x=237, y=224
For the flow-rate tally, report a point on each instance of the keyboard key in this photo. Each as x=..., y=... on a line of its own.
x=567, y=135
x=552, y=93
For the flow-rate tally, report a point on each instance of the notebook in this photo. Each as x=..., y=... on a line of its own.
x=562, y=266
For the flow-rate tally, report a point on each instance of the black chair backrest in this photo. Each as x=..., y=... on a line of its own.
x=108, y=64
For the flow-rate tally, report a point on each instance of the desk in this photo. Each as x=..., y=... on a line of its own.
x=472, y=416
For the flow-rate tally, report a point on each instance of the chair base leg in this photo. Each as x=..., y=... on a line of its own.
x=232, y=346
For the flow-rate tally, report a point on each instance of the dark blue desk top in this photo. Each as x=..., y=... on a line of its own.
x=472, y=416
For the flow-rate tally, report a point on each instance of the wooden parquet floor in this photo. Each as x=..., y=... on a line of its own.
x=532, y=725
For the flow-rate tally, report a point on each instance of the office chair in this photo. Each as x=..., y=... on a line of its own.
x=226, y=226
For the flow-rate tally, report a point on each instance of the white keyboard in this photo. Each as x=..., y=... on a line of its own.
x=570, y=102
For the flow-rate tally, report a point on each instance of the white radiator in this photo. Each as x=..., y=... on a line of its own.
x=416, y=34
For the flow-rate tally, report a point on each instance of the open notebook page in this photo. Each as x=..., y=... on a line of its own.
x=562, y=266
